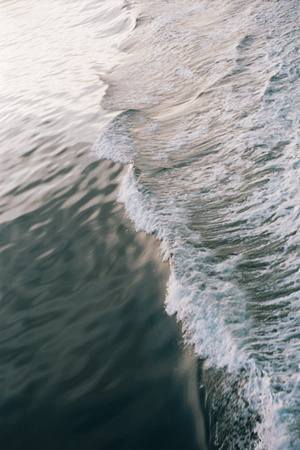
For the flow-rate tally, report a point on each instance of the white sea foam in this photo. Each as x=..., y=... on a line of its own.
x=215, y=173
x=115, y=135
x=203, y=320
x=198, y=301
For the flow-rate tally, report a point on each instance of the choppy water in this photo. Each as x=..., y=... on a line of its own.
x=88, y=357
x=206, y=109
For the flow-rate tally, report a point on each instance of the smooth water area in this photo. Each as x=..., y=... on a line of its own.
x=88, y=357
x=207, y=102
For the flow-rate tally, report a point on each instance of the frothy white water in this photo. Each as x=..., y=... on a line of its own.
x=204, y=309
x=210, y=94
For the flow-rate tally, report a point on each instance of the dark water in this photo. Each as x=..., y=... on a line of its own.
x=88, y=357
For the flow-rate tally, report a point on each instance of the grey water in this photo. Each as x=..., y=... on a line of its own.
x=89, y=359
x=175, y=119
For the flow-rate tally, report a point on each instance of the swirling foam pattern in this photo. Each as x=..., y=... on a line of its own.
x=210, y=105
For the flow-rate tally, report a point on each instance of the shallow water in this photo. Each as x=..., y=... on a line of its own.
x=89, y=358
x=208, y=102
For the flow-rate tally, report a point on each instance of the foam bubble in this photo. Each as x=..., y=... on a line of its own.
x=114, y=141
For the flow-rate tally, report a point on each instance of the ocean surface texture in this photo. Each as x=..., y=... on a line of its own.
x=178, y=119
x=208, y=105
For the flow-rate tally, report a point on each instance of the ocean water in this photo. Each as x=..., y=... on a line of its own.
x=206, y=108
x=89, y=359
x=184, y=115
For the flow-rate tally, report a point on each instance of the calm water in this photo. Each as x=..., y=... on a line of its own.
x=209, y=100
x=88, y=357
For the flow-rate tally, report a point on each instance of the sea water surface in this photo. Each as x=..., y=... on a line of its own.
x=89, y=359
x=200, y=114
x=208, y=102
